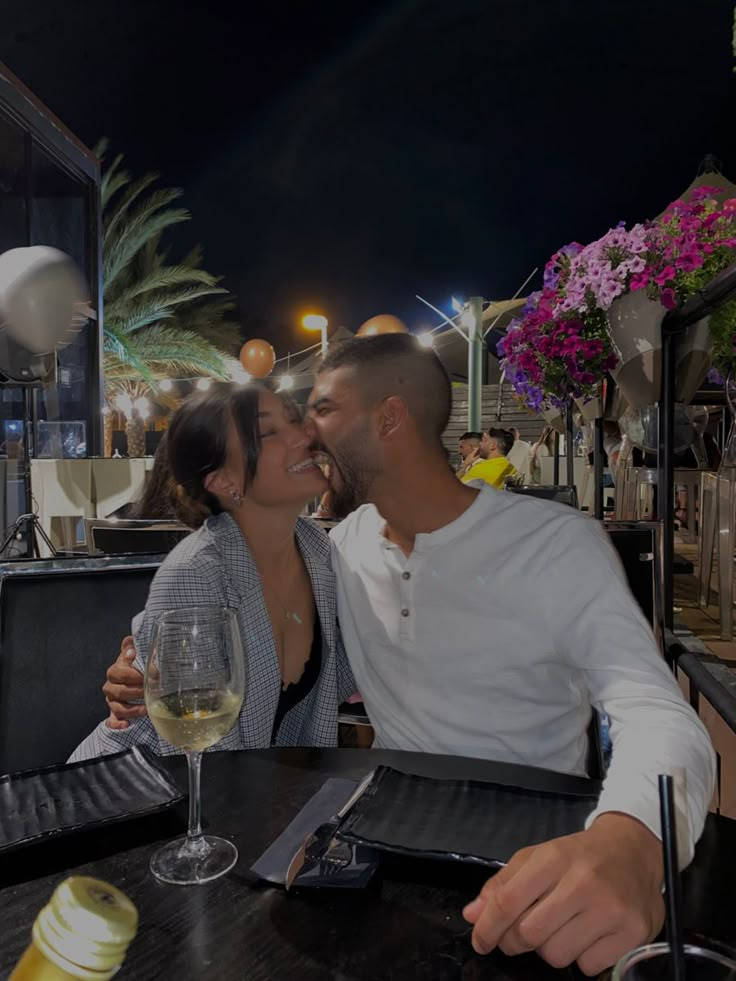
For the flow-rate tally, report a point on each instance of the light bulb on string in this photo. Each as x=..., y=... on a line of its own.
x=166, y=385
x=426, y=340
x=203, y=384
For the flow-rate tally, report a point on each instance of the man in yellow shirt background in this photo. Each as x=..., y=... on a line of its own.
x=492, y=465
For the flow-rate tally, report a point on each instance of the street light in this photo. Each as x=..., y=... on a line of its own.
x=315, y=321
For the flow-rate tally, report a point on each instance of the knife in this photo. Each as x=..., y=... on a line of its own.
x=325, y=831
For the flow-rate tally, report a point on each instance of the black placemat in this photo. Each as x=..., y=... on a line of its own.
x=464, y=820
x=36, y=805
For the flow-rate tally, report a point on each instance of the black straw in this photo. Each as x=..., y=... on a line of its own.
x=673, y=894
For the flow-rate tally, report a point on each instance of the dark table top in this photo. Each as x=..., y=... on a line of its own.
x=406, y=925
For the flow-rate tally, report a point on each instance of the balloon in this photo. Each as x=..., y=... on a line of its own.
x=384, y=323
x=258, y=358
x=41, y=294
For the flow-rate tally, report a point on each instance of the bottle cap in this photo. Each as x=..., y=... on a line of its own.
x=86, y=927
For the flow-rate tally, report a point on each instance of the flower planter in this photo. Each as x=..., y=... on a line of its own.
x=591, y=409
x=555, y=419
x=693, y=351
x=635, y=324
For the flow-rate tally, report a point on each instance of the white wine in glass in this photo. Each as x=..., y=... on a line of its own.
x=194, y=688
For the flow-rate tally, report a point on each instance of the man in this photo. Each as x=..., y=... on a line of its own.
x=468, y=448
x=487, y=624
x=493, y=465
x=520, y=454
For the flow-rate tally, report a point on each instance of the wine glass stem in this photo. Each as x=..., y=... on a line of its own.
x=194, y=831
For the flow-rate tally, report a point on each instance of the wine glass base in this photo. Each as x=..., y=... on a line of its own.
x=181, y=865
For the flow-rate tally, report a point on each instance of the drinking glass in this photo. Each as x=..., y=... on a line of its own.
x=194, y=688
x=652, y=963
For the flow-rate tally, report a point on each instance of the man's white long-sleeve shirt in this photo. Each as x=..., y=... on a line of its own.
x=497, y=634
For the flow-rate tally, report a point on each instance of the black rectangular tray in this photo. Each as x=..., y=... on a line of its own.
x=38, y=805
x=460, y=820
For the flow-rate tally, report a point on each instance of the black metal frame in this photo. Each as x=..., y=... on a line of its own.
x=39, y=124
x=717, y=292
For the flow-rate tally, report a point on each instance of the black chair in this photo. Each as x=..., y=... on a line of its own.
x=120, y=536
x=60, y=628
x=638, y=544
x=561, y=494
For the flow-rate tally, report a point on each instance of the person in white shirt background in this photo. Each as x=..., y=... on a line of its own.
x=520, y=454
x=487, y=624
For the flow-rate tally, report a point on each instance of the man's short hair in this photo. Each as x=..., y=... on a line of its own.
x=514, y=432
x=504, y=438
x=477, y=436
x=395, y=364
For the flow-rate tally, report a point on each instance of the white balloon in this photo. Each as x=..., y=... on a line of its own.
x=41, y=292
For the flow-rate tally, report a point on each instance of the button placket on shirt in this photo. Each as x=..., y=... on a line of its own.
x=406, y=604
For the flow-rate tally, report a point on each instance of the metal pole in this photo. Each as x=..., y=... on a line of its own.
x=569, y=458
x=556, y=469
x=665, y=462
x=598, y=470
x=475, y=364
x=323, y=337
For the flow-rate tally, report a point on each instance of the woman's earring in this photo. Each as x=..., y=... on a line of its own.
x=237, y=498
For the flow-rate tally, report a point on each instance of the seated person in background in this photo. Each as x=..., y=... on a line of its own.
x=493, y=465
x=241, y=453
x=468, y=448
x=520, y=454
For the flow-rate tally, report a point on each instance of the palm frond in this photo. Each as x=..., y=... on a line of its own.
x=166, y=277
x=121, y=208
x=134, y=235
x=193, y=259
x=122, y=361
x=161, y=317
x=176, y=349
x=225, y=335
x=112, y=182
x=144, y=316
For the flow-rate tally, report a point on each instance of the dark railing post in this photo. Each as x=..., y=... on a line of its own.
x=569, y=446
x=598, y=470
x=665, y=465
x=556, y=469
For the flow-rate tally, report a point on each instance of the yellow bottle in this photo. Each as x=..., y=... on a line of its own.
x=83, y=933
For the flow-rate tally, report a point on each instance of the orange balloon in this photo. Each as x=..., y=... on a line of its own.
x=384, y=323
x=258, y=358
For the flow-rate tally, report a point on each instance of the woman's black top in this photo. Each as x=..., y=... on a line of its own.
x=294, y=694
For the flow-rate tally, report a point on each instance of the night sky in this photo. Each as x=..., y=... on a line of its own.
x=349, y=156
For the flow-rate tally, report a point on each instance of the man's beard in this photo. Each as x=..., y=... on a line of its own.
x=355, y=481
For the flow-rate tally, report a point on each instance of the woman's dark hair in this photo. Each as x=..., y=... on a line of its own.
x=197, y=439
x=156, y=499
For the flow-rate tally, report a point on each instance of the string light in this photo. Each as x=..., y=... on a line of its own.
x=426, y=340
x=166, y=385
x=203, y=384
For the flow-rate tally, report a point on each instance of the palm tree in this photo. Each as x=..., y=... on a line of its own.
x=161, y=318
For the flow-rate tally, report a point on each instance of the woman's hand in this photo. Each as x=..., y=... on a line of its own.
x=124, y=685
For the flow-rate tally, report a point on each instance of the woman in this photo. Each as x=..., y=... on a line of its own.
x=543, y=447
x=242, y=453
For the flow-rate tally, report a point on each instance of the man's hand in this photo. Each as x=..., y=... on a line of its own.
x=124, y=684
x=589, y=897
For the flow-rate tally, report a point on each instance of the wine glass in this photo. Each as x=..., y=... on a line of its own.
x=194, y=688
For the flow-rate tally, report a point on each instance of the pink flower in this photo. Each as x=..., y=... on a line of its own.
x=668, y=273
x=668, y=299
